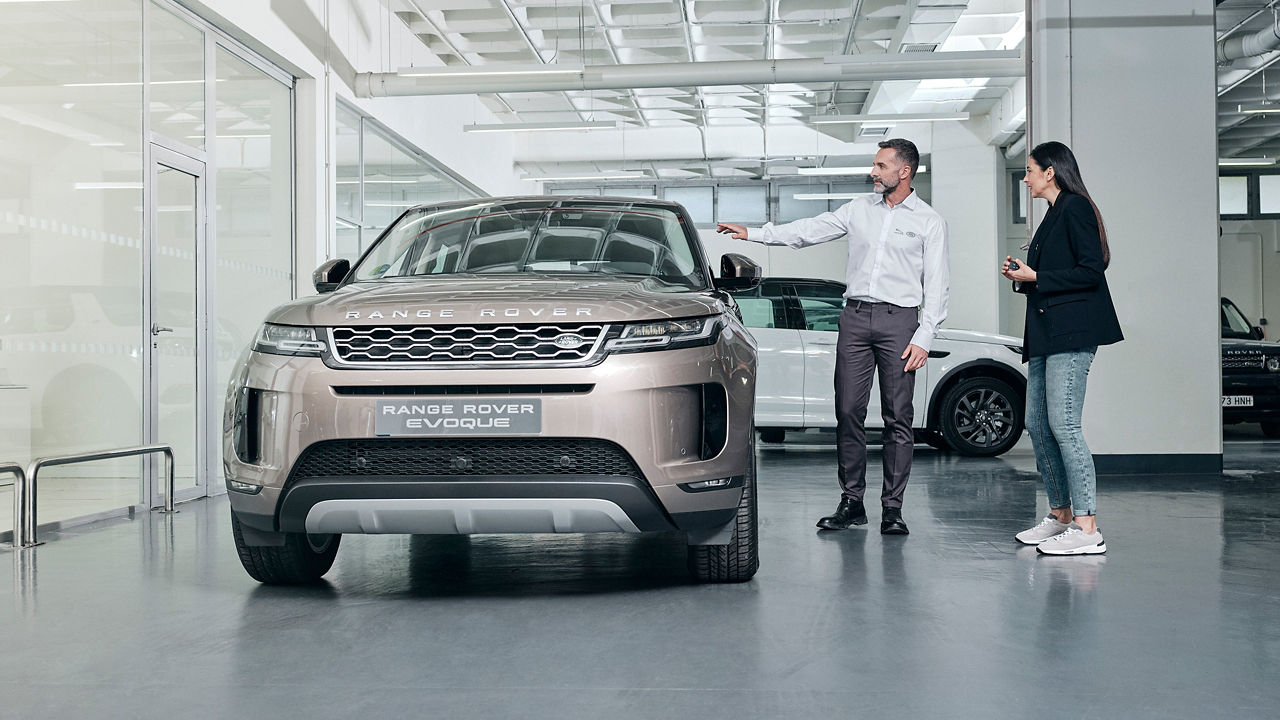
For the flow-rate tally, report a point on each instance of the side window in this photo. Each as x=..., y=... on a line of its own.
x=763, y=307
x=821, y=305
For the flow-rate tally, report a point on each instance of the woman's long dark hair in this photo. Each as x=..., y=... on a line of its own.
x=1066, y=172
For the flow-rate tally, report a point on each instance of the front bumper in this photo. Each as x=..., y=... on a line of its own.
x=650, y=405
x=1265, y=391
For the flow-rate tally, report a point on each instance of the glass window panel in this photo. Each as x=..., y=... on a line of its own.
x=743, y=205
x=70, y=243
x=347, y=166
x=790, y=209
x=1269, y=193
x=254, y=263
x=641, y=193
x=177, y=77
x=697, y=200
x=346, y=241
x=1233, y=194
x=855, y=188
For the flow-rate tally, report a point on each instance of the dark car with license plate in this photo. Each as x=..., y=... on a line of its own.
x=1250, y=373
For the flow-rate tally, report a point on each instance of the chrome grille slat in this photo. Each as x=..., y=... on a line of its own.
x=455, y=345
x=1243, y=361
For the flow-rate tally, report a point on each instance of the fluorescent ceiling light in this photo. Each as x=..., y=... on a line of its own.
x=886, y=119
x=378, y=182
x=131, y=83
x=392, y=204
x=957, y=55
x=844, y=170
x=1246, y=162
x=106, y=143
x=543, y=127
x=829, y=196
x=108, y=186
x=1259, y=109
x=491, y=70
x=630, y=176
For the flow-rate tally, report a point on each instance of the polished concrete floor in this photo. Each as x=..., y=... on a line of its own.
x=153, y=617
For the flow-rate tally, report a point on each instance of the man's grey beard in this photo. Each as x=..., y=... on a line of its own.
x=888, y=188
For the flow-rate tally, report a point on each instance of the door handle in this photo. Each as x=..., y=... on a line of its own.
x=157, y=329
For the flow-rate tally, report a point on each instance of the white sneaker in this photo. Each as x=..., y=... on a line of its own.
x=1075, y=541
x=1047, y=528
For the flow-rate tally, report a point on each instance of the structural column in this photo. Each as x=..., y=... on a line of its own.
x=1129, y=86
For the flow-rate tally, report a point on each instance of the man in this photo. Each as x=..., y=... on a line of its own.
x=895, y=299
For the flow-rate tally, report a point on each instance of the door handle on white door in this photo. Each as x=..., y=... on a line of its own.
x=157, y=329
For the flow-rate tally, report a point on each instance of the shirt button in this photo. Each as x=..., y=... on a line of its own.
x=1041, y=311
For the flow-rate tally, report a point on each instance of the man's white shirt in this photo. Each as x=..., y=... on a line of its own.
x=896, y=254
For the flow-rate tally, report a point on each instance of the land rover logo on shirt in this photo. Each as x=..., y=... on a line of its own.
x=569, y=341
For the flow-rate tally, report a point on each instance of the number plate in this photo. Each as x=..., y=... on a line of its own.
x=458, y=417
x=1237, y=401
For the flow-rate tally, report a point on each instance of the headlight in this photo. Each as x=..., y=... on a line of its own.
x=667, y=334
x=288, y=340
x=1273, y=363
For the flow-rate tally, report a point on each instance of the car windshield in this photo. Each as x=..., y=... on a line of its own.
x=551, y=237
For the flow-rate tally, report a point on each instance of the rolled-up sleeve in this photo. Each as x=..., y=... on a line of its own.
x=936, y=282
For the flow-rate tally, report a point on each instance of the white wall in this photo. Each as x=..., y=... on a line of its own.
x=1097, y=70
x=966, y=173
x=1249, y=270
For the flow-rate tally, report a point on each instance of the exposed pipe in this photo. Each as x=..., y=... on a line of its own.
x=731, y=72
x=1263, y=41
x=1016, y=149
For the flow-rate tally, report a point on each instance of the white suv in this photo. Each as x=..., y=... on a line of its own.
x=969, y=397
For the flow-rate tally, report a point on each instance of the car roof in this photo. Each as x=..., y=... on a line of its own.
x=555, y=200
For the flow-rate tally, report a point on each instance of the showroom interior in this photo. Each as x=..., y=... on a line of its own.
x=174, y=170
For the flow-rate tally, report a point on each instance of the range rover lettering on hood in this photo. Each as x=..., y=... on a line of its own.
x=484, y=312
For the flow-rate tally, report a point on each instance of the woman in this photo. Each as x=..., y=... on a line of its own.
x=1069, y=314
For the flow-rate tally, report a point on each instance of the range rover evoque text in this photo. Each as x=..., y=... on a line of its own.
x=508, y=365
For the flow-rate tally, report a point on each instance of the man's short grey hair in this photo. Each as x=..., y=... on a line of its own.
x=906, y=151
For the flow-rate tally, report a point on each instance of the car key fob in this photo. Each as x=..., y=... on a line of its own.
x=1013, y=265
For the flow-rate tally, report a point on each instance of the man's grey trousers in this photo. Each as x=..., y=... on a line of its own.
x=872, y=338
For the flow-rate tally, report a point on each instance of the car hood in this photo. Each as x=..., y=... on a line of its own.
x=479, y=299
x=978, y=337
x=1250, y=345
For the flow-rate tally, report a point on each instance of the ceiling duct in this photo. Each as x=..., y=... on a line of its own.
x=849, y=68
x=1263, y=41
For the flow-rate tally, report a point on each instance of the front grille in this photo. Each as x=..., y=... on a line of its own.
x=429, y=457
x=1243, y=361
x=445, y=345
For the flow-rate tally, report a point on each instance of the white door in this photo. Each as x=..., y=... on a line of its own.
x=779, y=384
x=821, y=304
x=177, y=351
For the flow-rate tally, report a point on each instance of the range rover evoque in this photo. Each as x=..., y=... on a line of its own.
x=506, y=365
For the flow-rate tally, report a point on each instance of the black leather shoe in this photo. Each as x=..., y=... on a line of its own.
x=891, y=522
x=849, y=512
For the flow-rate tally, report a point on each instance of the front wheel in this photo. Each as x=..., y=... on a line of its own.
x=303, y=558
x=981, y=416
x=738, y=561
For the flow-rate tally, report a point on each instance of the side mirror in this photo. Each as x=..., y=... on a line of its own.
x=329, y=276
x=737, y=272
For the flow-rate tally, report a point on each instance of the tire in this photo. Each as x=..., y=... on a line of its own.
x=1271, y=429
x=302, y=559
x=981, y=417
x=738, y=561
x=773, y=435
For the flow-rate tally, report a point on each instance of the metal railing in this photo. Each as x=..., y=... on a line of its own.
x=20, y=481
x=24, y=495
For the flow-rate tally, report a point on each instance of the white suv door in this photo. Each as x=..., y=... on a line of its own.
x=821, y=304
x=779, y=396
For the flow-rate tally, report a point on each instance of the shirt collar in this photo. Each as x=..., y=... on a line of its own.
x=911, y=202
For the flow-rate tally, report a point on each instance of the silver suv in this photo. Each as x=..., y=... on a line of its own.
x=508, y=365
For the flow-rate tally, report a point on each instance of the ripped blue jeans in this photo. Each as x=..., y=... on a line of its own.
x=1055, y=403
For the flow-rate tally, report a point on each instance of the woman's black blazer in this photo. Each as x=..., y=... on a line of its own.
x=1068, y=306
